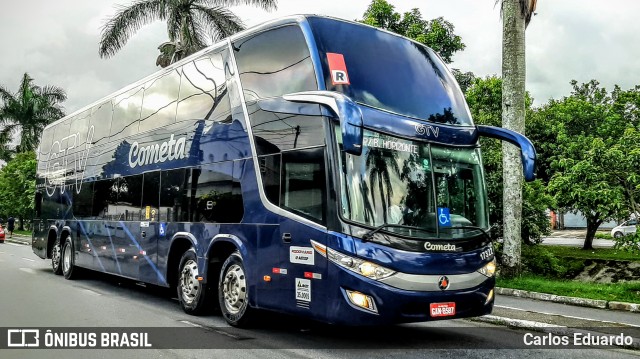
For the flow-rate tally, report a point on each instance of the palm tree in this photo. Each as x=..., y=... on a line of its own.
x=516, y=15
x=191, y=24
x=28, y=111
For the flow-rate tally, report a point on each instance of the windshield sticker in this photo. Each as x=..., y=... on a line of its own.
x=444, y=218
x=390, y=145
x=338, y=68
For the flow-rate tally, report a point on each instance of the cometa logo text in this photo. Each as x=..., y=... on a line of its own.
x=157, y=152
x=440, y=247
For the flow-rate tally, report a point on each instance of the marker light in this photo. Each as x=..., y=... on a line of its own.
x=360, y=266
x=362, y=300
x=489, y=269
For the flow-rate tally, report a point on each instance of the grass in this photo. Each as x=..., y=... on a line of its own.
x=598, y=253
x=622, y=292
x=26, y=233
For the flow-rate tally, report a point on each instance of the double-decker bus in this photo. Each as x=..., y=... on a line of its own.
x=309, y=165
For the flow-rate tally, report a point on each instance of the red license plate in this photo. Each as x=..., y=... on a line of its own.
x=443, y=309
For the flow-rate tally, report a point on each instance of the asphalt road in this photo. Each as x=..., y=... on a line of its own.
x=32, y=296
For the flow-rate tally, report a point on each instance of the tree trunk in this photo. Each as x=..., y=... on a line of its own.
x=21, y=224
x=592, y=227
x=513, y=112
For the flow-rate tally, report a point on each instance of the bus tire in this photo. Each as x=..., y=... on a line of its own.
x=68, y=261
x=233, y=292
x=193, y=294
x=56, y=257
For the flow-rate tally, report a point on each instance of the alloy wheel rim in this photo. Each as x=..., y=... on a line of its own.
x=234, y=289
x=189, y=280
x=66, y=259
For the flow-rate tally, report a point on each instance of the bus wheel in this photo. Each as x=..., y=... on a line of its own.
x=233, y=292
x=69, y=268
x=192, y=293
x=56, y=258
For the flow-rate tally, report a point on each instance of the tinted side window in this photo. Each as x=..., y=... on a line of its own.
x=129, y=197
x=159, y=102
x=203, y=90
x=274, y=63
x=270, y=171
x=151, y=196
x=105, y=198
x=174, y=196
x=303, y=187
x=83, y=201
x=45, y=142
x=101, y=121
x=126, y=113
x=275, y=132
x=215, y=195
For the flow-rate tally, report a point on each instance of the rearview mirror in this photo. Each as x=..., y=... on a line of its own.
x=344, y=108
x=527, y=151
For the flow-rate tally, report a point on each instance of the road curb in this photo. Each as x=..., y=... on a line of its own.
x=582, y=302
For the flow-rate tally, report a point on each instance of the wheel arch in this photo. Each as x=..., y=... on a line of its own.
x=51, y=240
x=180, y=243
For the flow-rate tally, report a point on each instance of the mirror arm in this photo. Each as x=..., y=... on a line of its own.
x=528, y=152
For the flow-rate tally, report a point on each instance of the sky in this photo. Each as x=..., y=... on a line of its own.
x=56, y=42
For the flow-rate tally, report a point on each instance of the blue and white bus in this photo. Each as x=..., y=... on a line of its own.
x=309, y=165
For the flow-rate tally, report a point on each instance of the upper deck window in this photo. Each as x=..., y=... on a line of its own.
x=274, y=63
x=390, y=73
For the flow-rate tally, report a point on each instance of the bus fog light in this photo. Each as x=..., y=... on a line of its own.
x=489, y=297
x=362, y=300
x=489, y=269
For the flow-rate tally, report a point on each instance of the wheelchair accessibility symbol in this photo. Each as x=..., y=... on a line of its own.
x=444, y=218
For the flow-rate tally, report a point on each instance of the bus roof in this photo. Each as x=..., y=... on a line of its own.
x=291, y=19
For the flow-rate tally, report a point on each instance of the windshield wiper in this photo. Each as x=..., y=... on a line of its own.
x=372, y=232
x=486, y=233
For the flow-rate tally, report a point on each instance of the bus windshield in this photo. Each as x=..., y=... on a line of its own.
x=389, y=72
x=415, y=184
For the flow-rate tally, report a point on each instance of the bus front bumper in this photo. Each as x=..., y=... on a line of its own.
x=395, y=305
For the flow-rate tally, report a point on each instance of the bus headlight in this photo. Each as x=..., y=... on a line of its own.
x=489, y=269
x=360, y=266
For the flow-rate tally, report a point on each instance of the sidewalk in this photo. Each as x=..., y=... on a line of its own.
x=575, y=238
x=18, y=239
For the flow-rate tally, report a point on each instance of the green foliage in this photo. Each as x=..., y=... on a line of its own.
x=484, y=98
x=596, y=140
x=27, y=111
x=603, y=236
x=566, y=252
x=539, y=261
x=624, y=292
x=18, y=185
x=438, y=33
x=629, y=243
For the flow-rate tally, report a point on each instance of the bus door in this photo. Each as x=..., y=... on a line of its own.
x=303, y=192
